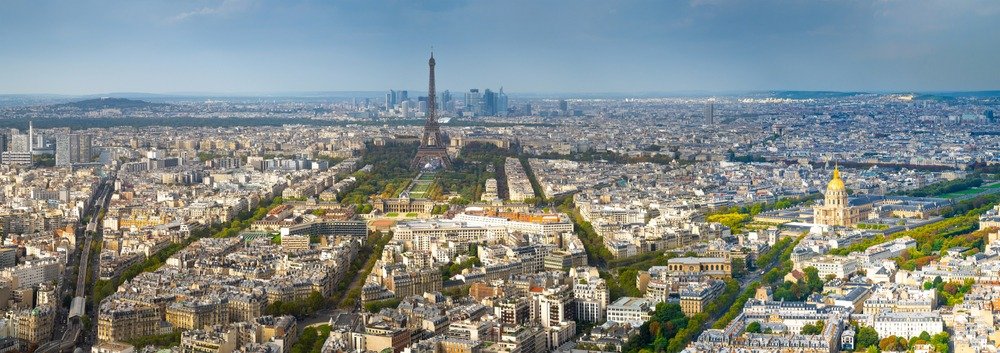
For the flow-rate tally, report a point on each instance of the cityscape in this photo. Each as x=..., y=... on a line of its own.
x=441, y=214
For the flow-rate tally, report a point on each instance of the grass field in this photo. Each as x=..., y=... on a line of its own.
x=971, y=191
x=427, y=176
x=421, y=185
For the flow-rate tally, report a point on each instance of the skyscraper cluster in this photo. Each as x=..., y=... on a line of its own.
x=394, y=98
x=485, y=103
x=72, y=148
x=475, y=103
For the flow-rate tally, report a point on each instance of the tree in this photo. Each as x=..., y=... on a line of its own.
x=376, y=306
x=813, y=329
x=753, y=327
x=866, y=337
x=306, y=341
x=892, y=343
x=731, y=220
x=315, y=301
x=739, y=267
x=940, y=341
x=951, y=288
x=812, y=279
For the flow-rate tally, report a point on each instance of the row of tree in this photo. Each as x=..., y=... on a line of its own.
x=362, y=265
x=760, y=207
x=597, y=253
x=867, y=339
x=783, y=249
x=298, y=308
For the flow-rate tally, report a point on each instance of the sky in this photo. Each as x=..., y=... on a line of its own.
x=528, y=46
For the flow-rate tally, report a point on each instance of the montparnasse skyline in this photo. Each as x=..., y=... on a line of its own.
x=234, y=46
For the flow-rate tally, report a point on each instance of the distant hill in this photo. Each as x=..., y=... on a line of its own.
x=110, y=103
x=812, y=94
x=951, y=96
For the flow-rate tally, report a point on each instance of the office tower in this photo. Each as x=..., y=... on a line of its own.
x=72, y=148
x=392, y=99
x=432, y=145
x=20, y=143
x=563, y=107
x=527, y=108
x=4, y=140
x=8, y=257
x=422, y=104
x=31, y=137
x=403, y=96
x=405, y=107
x=710, y=112
x=19, y=151
x=989, y=115
x=489, y=103
x=501, y=103
x=84, y=149
x=64, y=149
x=446, y=101
x=472, y=100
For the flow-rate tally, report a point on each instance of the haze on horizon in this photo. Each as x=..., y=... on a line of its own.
x=233, y=46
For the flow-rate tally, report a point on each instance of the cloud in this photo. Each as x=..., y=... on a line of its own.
x=226, y=8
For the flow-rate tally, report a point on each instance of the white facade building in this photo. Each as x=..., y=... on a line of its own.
x=908, y=325
x=629, y=309
x=590, y=294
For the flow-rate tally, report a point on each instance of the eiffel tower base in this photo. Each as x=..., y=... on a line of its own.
x=426, y=154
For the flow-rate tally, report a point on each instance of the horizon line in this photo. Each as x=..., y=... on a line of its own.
x=587, y=93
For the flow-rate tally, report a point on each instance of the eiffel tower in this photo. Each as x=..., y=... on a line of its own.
x=433, y=147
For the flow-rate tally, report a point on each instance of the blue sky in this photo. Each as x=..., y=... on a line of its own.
x=241, y=46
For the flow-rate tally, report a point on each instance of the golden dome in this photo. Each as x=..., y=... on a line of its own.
x=836, y=184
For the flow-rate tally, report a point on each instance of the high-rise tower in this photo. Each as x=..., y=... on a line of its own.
x=432, y=145
x=710, y=112
x=31, y=138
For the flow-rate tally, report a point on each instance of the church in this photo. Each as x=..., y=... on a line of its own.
x=836, y=209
